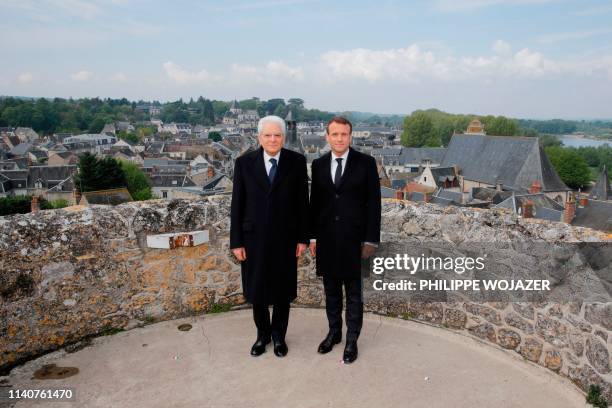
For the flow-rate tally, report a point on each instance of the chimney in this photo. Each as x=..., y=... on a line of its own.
x=399, y=194
x=570, y=209
x=499, y=185
x=35, y=206
x=210, y=172
x=426, y=197
x=527, y=208
x=584, y=200
x=77, y=197
x=535, y=188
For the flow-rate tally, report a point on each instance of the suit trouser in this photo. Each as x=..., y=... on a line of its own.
x=280, y=320
x=354, y=305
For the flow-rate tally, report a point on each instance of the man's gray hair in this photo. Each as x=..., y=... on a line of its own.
x=272, y=119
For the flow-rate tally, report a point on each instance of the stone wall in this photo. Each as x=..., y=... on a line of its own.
x=83, y=271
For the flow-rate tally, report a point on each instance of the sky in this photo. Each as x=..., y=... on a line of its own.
x=536, y=59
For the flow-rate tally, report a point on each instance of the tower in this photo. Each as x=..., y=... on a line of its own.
x=475, y=127
x=291, y=130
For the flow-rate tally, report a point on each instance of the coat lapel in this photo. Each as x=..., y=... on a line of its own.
x=326, y=164
x=259, y=170
x=282, y=170
x=349, y=167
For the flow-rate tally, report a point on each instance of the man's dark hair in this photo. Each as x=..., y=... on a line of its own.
x=342, y=121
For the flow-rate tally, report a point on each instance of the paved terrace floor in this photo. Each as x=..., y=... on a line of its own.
x=401, y=364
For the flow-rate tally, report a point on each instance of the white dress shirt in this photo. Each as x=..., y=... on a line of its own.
x=267, y=162
x=334, y=163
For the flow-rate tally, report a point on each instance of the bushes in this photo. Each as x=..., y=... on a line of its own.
x=23, y=205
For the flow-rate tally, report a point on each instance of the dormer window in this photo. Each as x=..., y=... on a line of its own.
x=38, y=184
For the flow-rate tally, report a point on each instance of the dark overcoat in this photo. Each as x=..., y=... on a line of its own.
x=343, y=218
x=269, y=220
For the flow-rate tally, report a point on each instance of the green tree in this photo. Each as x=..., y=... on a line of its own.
x=549, y=140
x=571, y=167
x=138, y=183
x=98, y=174
x=215, y=136
x=129, y=136
x=419, y=131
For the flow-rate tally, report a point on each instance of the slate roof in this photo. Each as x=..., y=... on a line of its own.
x=416, y=155
x=409, y=155
x=518, y=161
x=449, y=195
x=490, y=194
x=108, y=197
x=386, y=192
x=51, y=176
x=597, y=214
x=441, y=174
x=544, y=207
x=212, y=183
x=602, y=190
x=167, y=180
x=21, y=149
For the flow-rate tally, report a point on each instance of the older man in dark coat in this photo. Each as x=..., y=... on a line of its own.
x=269, y=229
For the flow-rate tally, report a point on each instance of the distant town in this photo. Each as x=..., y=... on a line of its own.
x=478, y=165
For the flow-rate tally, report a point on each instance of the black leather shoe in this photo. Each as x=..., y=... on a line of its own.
x=280, y=348
x=328, y=343
x=259, y=347
x=350, y=352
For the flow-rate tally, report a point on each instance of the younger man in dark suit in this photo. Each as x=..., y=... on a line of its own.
x=345, y=226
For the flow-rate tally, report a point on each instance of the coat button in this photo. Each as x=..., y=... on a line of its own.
x=337, y=218
x=337, y=195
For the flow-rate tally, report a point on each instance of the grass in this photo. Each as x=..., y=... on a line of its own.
x=110, y=331
x=594, y=397
x=220, y=308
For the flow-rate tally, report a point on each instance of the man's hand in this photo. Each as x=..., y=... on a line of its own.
x=239, y=253
x=367, y=251
x=313, y=248
x=299, y=250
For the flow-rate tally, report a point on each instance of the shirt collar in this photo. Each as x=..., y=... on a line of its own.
x=267, y=157
x=343, y=157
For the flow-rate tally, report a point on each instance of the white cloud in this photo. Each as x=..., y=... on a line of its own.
x=119, y=76
x=502, y=48
x=416, y=64
x=24, y=78
x=574, y=35
x=82, y=75
x=274, y=72
x=182, y=76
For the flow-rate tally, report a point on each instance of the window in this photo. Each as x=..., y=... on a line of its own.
x=424, y=178
x=164, y=194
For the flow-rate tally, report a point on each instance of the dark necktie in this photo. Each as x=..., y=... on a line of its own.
x=272, y=170
x=338, y=174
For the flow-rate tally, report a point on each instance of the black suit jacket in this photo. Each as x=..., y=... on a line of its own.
x=342, y=218
x=269, y=221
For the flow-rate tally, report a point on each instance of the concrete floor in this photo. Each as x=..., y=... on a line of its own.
x=400, y=364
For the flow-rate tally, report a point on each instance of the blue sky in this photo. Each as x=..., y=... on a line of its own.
x=520, y=58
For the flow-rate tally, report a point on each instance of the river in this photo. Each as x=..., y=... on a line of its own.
x=573, y=141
